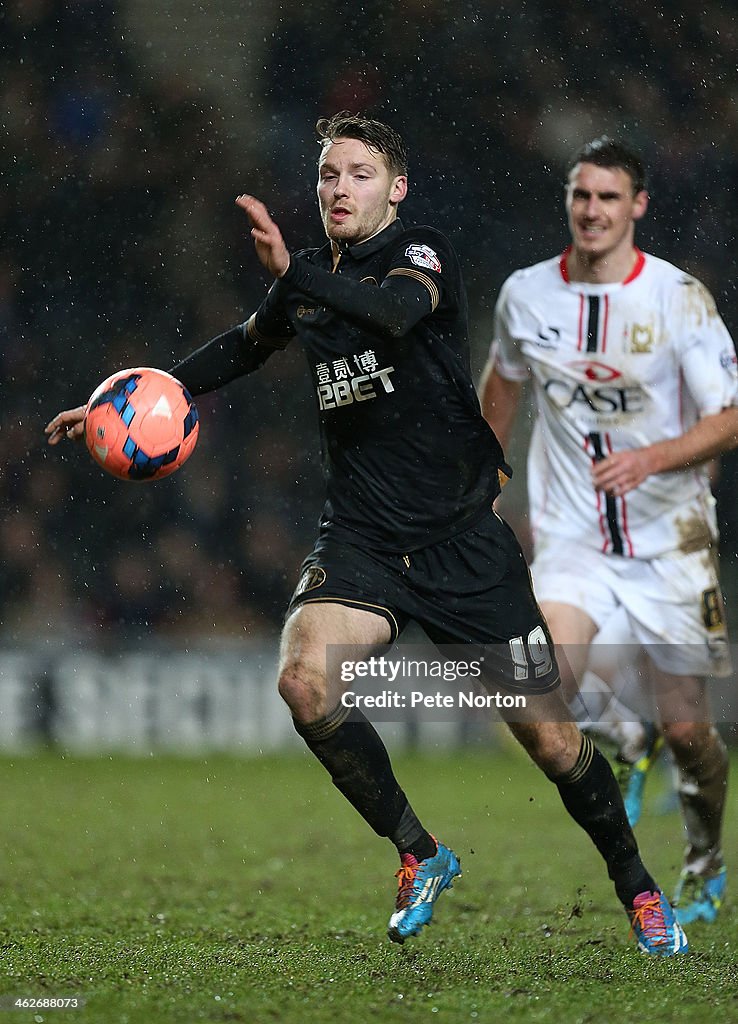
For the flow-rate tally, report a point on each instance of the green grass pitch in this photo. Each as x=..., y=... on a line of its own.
x=229, y=890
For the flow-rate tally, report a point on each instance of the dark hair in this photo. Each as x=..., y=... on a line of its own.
x=606, y=152
x=373, y=134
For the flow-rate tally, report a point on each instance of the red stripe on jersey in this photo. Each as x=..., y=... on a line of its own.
x=562, y=264
x=637, y=266
x=581, y=320
x=604, y=323
x=626, y=534
x=602, y=516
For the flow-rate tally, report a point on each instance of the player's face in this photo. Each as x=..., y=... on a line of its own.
x=602, y=210
x=357, y=194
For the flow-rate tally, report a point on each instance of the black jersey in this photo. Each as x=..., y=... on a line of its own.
x=408, y=457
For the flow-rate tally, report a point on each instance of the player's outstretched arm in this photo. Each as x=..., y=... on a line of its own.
x=69, y=423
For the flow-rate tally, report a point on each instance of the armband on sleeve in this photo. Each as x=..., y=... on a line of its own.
x=223, y=359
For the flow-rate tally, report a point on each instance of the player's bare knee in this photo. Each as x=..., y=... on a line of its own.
x=687, y=739
x=294, y=684
x=553, y=746
x=303, y=690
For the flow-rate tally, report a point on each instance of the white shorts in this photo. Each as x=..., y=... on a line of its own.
x=673, y=604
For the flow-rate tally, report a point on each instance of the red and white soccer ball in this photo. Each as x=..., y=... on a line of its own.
x=141, y=424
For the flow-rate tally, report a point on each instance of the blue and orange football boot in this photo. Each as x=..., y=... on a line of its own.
x=419, y=884
x=655, y=927
x=699, y=897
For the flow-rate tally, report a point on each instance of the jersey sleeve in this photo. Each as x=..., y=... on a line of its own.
x=392, y=309
x=270, y=325
x=706, y=353
x=505, y=350
x=426, y=259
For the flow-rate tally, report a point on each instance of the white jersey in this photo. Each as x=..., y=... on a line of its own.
x=616, y=367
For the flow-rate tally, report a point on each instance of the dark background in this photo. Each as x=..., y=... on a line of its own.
x=127, y=134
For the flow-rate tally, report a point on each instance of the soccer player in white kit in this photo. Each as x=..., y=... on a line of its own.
x=636, y=390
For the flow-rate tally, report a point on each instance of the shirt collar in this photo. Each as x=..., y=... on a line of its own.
x=367, y=248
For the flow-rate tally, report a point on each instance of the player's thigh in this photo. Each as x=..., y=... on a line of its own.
x=312, y=627
x=568, y=624
x=576, y=597
x=572, y=630
x=308, y=680
x=614, y=656
x=574, y=588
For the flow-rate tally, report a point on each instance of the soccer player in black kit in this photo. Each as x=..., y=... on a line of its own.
x=408, y=530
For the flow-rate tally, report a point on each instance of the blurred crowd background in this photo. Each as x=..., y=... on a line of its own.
x=128, y=132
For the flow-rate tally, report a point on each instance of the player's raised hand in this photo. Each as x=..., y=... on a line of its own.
x=69, y=423
x=270, y=247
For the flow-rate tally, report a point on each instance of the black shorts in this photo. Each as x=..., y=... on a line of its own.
x=471, y=592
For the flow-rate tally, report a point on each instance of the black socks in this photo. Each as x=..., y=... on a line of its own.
x=592, y=797
x=350, y=749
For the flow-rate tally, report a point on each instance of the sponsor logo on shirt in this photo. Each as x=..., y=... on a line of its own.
x=593, y=370
x=339, y=384
x=598, y=394
x=423, y=256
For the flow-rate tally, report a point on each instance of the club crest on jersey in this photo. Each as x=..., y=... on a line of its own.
x=423, y=256
x=313, y=577
x=641, y=338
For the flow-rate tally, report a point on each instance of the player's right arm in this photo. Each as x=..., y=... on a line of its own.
x=504, y=374
x=236, y=352
x=499, y=398
x=223, y=359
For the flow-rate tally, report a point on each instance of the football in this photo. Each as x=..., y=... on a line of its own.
x=141, y=424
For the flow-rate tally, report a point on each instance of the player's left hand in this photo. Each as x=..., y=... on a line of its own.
x=270, y=247
x=622, y=471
